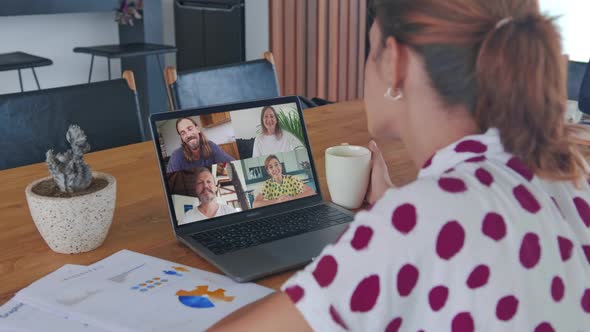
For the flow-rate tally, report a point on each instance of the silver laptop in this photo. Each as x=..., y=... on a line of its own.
x=246, y=200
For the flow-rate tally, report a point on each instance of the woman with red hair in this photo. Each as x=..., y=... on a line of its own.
x=494, y=234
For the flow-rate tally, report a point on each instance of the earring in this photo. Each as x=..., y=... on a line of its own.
x=399, y=95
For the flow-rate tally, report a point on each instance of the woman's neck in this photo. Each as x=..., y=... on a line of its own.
x=425, y=135
x=278, y=179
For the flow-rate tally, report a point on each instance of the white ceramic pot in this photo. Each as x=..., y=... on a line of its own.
x=77, y=224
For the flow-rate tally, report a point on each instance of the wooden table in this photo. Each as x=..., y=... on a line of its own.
x=141, y=220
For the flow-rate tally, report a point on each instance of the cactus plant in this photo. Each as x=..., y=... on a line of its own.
x=68, y=169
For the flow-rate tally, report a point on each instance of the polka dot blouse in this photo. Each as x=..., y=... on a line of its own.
x=476, y=243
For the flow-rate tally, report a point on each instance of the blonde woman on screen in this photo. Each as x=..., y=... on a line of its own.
x=273, y=138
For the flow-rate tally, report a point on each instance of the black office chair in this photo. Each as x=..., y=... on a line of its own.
x=236, y=82
x=575, y=76
x=33, y=122
x=584, y=94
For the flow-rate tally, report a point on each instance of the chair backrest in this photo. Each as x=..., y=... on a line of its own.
x=575, y=75
x=33, y=122
x=584, y=94
x=223, y=84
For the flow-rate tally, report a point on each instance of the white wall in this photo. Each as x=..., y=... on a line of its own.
x=168, y=29
x=574, y=23
x=246, y=122
x=257, y=29
x=54, y=37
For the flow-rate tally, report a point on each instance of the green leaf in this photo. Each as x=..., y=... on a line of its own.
x=289, y=121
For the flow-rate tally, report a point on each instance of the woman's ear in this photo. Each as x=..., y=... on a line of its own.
x=396, y=60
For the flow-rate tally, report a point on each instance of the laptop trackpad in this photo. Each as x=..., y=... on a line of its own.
x=278, y=256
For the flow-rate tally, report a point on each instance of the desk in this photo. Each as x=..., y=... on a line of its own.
x=20, y=60
x=123, y=51
x=141, y=220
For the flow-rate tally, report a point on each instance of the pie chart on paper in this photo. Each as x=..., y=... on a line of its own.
x=201, y=297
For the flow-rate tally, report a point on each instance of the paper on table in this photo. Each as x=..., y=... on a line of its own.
x=17, y=316
x=133, y=292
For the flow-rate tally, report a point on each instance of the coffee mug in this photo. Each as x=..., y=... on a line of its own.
x=348, y=168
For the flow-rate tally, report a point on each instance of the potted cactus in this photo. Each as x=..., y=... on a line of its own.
x=73, y=208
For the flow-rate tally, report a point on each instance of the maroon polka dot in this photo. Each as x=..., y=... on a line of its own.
x=519, y=167
x=530, y=250
x=325, y=271
x=565, y=248
x=476, y=159
x=342, y=234
x=452, y=185
x=484, y=177
x=450, y=240
x=557, y=289
x=407, y=277
x=362, y=237
x=463, y=322
x=437, y=297
x=337, y=318
x=428, y=162
x=583, y=210
x=526, y=199
x=586, y=301
x=544, y=327
x=557, y=205
x=365, y=294
x=471, y=146
x=478, y=277
x=394, y=325
x=506, y=308
x=404, y=218
x=586, y=250
x=494, y=226
x=295, y=293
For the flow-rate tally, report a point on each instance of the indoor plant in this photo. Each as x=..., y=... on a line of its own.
x=73, y=208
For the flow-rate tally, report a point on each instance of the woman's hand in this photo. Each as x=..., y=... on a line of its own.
x=380, y=181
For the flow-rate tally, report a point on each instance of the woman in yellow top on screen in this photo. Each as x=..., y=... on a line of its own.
x=280, y=187
x=273, y=138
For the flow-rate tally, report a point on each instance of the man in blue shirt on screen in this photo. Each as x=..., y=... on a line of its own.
x=196, y=150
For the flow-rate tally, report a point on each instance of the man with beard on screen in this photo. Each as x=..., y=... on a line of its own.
x=196, y=150
x=208, y=205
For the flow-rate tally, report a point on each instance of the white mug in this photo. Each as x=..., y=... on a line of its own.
x=348, y=168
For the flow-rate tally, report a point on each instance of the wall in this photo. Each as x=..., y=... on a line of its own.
x=574, y=23
x=54, y=37
x=257, y=30
x=168, y=28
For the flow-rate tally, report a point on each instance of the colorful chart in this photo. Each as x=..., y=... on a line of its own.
x=201, y=297
x=149, y=284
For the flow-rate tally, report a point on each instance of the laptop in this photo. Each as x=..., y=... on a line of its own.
x=247, y=202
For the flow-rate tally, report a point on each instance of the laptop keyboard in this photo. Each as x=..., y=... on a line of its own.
x=248, y=234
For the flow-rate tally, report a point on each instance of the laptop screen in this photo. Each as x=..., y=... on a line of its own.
x=232, y=161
